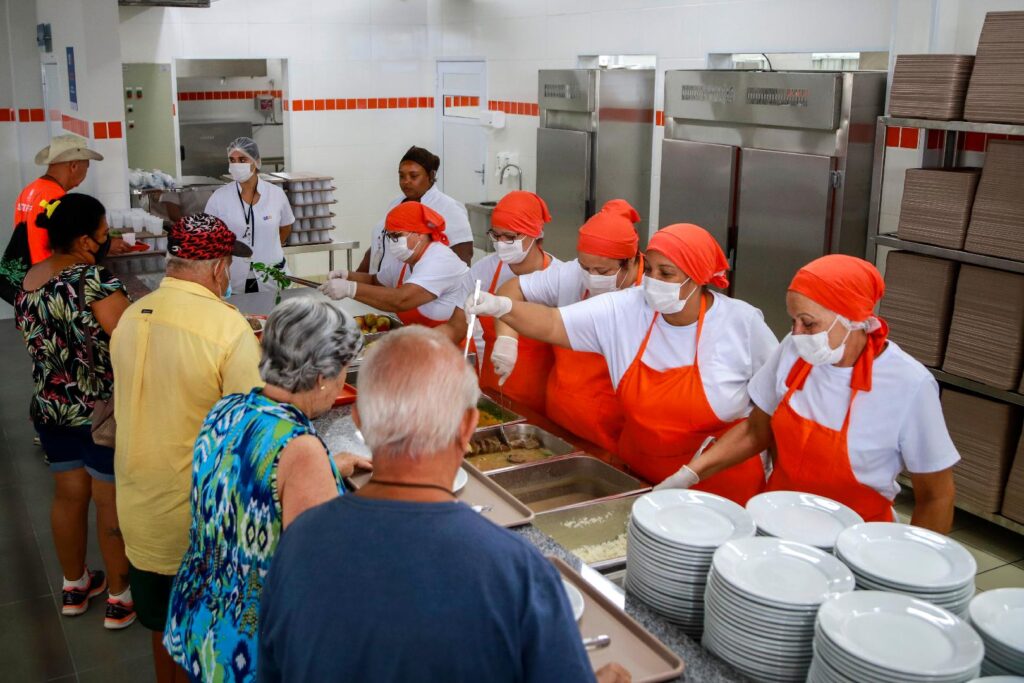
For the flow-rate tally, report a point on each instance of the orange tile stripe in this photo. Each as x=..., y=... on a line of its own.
x=342, y=104
x=516, y=108
x=195, y=96
x=909, y=138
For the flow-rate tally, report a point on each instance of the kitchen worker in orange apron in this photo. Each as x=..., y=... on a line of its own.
x=580, y=395
x=846, y=409
x=679, y=355
x=517, y=231
x=420, y=278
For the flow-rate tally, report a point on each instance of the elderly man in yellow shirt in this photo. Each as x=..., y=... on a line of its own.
x=175, y=353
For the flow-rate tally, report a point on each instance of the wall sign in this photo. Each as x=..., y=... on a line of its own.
x=72, y=82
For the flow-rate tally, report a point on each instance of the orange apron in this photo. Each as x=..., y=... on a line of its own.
x=580, y=395
x=668, y=417
x=413, y=315
x=814, y=459
x=529, y=378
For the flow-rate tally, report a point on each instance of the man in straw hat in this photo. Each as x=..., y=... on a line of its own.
x=67, y=162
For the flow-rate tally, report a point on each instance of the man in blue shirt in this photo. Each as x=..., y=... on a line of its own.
x=401, y=582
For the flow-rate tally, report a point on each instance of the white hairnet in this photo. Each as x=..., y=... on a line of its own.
x=246, y=146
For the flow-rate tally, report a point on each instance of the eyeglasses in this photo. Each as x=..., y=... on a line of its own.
x=504, y=237
x=393, y=237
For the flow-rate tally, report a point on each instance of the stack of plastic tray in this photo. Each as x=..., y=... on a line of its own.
x=996, y=91
x=985, y=433
x=998, y=211
x=930, y=86
x=986, y=335
x=312, y=198
x=936, y=206
x=918, y=303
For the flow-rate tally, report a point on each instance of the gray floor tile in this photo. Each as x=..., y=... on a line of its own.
x=135, y=670
x=22, y=567
x=33, y=647
x=93, y=646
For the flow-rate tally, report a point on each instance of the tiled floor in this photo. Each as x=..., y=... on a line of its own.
x=37, y=644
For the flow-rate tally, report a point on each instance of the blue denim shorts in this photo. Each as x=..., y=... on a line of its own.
x=69, y=448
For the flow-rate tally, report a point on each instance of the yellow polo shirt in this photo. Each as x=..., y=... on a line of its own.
x=175, y=353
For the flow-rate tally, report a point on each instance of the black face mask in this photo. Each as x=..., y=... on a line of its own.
x=102, y=252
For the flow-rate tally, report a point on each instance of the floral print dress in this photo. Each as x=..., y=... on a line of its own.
x=213, y=624
x=54, y=328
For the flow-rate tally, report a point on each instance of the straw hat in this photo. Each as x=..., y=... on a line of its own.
x=66, y=148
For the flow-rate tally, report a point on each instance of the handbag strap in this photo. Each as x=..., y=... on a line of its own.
x=88, y=330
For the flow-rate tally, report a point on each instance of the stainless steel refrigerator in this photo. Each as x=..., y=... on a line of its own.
x=204, y=145
x=593, y=144
x=776, y=165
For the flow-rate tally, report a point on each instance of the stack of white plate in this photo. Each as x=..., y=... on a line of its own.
x=670, y=540
x=801, y=517
x=871, y=636
x=762, y=598
x=907, y=559
x=998, y=616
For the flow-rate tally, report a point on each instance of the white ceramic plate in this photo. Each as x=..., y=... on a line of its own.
x=461, y=479
x=691, y=518
x=801, y=517
x=575, y=599
x=999, y=615
x=900, y=634
x=905, y=556
x=782, y=571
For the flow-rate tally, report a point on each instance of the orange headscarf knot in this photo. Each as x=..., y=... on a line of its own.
x=522, y=212
x=693, y=249
x=610, y=232
x=850, y=287
x=416, y=217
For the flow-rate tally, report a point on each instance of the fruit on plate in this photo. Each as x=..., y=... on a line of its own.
x=371, y=323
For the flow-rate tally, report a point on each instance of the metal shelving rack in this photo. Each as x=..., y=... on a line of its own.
x=948, y=158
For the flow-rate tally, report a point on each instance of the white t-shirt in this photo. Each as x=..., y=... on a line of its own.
x=897, y=425
x=439, y=271
x=560, y=284
x=456, y=223
x=734, y=343
x=270, y=213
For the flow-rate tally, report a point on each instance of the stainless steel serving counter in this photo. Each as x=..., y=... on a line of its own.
x=339, y=433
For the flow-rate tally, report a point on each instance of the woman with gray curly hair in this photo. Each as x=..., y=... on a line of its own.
x=258, y=464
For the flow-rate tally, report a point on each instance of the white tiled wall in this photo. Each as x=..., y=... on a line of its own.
x=351, y=49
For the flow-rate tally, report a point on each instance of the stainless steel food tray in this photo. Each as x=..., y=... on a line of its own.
x=590, y=525
x=567, y=482
x=558, y=447
x=507, y=416
x=646, y=658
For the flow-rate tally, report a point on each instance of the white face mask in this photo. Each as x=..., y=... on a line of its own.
x=513, y=252
x=815, y=349
x=663, y=296
x=240, y=172
x=601, y=284
x=400, y=249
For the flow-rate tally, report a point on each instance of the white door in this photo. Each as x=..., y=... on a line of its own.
x=461, y=95
x=51, y=97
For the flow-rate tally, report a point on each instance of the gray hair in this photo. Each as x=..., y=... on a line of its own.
x=176, y=264
x=307, y=338
x=414, y=391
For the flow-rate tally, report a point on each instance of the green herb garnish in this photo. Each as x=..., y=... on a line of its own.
x=267, y=273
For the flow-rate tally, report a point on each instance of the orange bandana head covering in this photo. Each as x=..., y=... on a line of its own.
x=622, y=208
x=522, y=212
x=851, y=287
x=693, y=249
x=610, y=232
x=415, y=217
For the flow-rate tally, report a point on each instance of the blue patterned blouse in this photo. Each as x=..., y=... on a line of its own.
x=236, y=524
